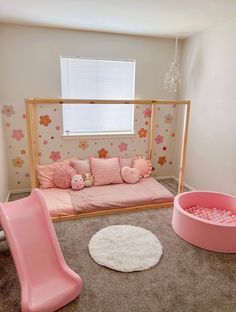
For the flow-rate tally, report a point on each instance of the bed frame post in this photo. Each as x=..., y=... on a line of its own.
x=32, y=140
x=183, y=148
x=150, y=143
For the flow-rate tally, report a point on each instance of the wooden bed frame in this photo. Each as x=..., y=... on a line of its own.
x=30, y=105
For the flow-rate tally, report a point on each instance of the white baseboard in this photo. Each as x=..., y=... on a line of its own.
x=8, y=196
x=189, y=187
x=19, y=191
x=177, y=180
x=16, y=192
x=185, y=184
x=165, y=177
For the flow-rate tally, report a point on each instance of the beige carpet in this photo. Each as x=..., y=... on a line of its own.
x=187, y=279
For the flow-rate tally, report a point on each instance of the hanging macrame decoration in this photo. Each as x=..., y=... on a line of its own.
x=173, y=78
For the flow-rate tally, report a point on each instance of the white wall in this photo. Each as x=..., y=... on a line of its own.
x=3, y=165
x=29, y=62
x=209, y=60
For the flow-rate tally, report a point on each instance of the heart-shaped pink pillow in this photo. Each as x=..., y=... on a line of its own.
x=130, y=175
x=144, y=165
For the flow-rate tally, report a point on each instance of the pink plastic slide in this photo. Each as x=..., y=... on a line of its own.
x=47, y=283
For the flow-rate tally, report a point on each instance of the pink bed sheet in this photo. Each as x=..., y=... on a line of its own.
x=58, y=202
x=147, y=191
x=66, y=202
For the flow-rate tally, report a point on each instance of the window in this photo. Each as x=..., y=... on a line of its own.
x=97, y=79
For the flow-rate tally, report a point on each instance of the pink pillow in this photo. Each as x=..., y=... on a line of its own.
x=126, y=162
x=77, y=182
x=130, y=175
x=81, y=166
x=105, y=170
x=144, y=166
x=62, y=176
x=45, y=173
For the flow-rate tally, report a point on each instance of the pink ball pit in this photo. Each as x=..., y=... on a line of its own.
x=210, y=230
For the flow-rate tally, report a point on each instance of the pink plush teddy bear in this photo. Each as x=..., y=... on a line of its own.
x=77, y=182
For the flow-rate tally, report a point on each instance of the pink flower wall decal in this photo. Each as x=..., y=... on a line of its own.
x=57, y=128
x=162, y=160
x=123, y=147
x=168, y=118
x=102, y=153
x=142, y=133
x=83, y=144
x=45, y=120
x=8, y=110
x=17, y=134
x=45, y=142
x=159, y=139
x=17, y=162
x=147, y=113
x=55, y=156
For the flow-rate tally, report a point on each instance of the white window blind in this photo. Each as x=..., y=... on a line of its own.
x=97, y=79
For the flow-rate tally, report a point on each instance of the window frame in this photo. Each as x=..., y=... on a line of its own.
x=104, y=134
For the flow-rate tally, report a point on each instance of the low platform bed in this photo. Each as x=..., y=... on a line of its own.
x=97, y=200
x=65, y=204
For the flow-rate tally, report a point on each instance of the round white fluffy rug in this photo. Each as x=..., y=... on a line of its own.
x=125, y=248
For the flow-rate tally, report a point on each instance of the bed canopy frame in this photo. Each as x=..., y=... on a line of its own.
x=30, y=105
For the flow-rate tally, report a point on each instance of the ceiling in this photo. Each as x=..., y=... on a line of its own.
x=163, y=18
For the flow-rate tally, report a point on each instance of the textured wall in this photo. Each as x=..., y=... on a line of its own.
x=209, y=70
x=30, y=67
